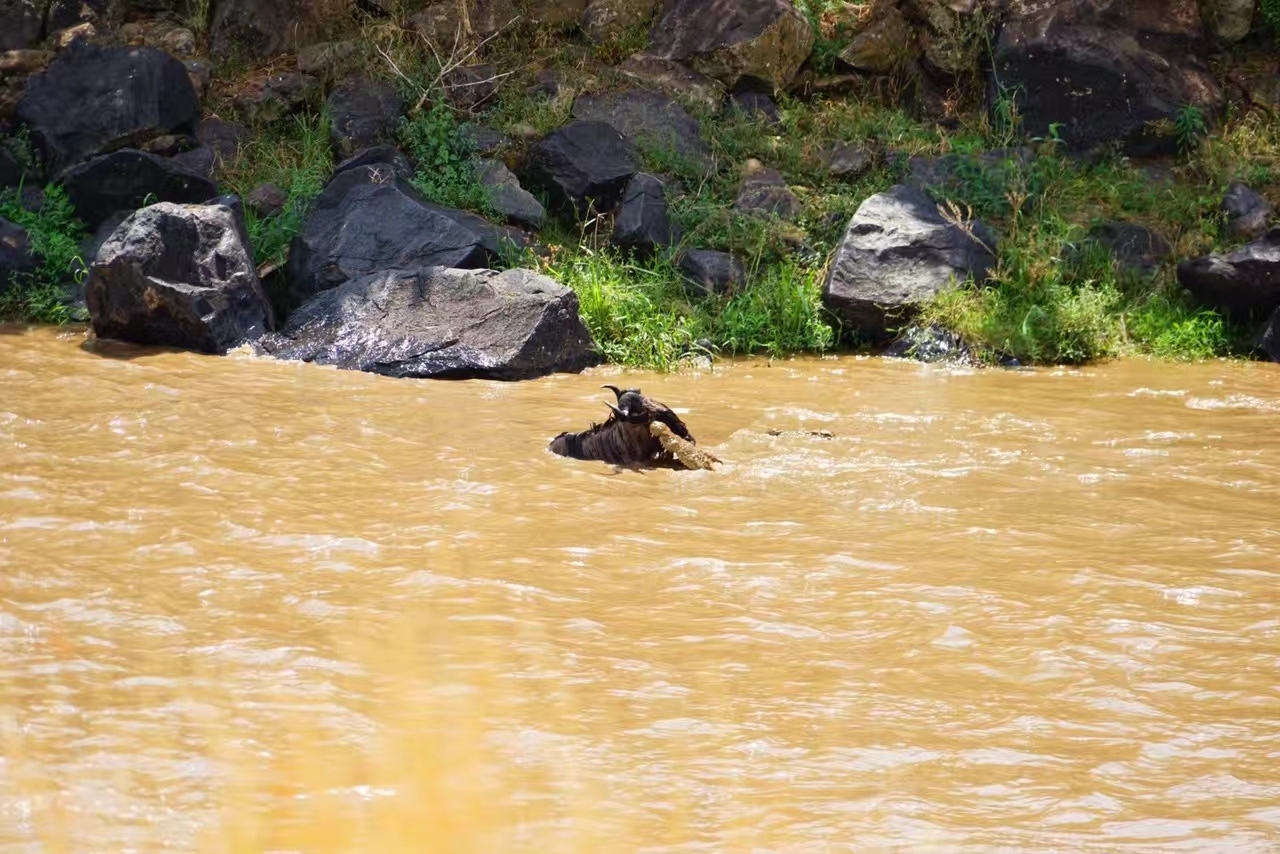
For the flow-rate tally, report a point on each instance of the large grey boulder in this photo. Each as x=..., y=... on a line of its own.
x=178, y=276
x=898, y=252
x=1244, y=285
x=93, y=100
x=439, y=323
x=1105, y=71
x=1248, y=214
x=766, y=40
x=369, y=219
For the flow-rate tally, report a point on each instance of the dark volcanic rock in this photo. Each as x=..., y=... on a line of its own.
x=223, y=137
x=1107, y=71
x=710, y=272
x=992, y=170
x=766, y=40
x=20, y=24
x=438, y=323
x=276, y=96
x=94, y=99
x=15, y=253
x=508, y=198
x=756, y=104
x=764, y=193
x=364, y=113
x=1269, y=341
x=1244, y=285
x=647, y=117
x=368, y=219
x=583, y=166
x=642, y=224
x=897, y=252
x=261, y=28
x=848, y=162
x=11, y=170
x=1248, y=214
x=125, y=179
x=929, y=344
x=483, y=140
x=1134, y=247
x=202, y=161
x=386, y=155
x=469, y=86
x=178, y=276
x=266, y=200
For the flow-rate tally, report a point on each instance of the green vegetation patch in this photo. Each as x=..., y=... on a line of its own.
x=54, y=234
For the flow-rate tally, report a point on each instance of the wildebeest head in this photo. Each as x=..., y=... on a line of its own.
x=636, y=408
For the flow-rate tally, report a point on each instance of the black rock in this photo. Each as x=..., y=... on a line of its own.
x=367, y=219
x=649, y=118
x=848, y=162
x=15, y=253
x=128, y=179
x=469, y=86
x=385, y=155
x=256, y=29
x=709, y=272
x=266, y=200
x=364, y=114
x=764, y=193
x=223, y=137
x=583, y=167
x=992, y=171
x=1244, y=285
x=178, y=276
x=756, y=104
x=20, y=24
x=929, y=344
x=276, y=96
x=642, y=224
x=483, y=140
x=508, y=198
x=1134, y=247
x=1104, y=72
x=897, y=252
x=438, y=323
x=1248, y=214
x=11, y=169
x=96, y=99
x=202, y=161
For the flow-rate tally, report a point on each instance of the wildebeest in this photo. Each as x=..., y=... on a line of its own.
x=624, y=438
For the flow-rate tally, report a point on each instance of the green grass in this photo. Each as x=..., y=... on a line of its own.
x=54, y=234
x=641, y=315
x=441, y=152
x=295, y=155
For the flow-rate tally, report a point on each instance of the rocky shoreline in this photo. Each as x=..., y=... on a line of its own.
x=108, y=101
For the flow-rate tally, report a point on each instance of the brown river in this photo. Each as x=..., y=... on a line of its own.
x=249, y=606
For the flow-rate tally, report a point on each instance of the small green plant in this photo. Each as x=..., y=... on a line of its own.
x=442, y=152
x=1270, y=10
x=1189, y=127
x=54, y=234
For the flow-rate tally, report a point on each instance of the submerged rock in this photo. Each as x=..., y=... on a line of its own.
x=896, y=253
x=438, y=323
x=93, y=99
x=1244, y=285
x=178, y=276
x=929, y=344
x=369, y=219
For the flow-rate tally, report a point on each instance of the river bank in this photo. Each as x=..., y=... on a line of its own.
x=879, y=177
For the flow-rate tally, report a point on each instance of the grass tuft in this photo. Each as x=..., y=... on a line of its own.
x=55, y=235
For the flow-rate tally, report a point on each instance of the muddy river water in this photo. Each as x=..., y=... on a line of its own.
x=256, y=606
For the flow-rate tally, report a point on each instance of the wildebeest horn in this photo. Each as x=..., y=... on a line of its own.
x=619, y=392
x=617, y=412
